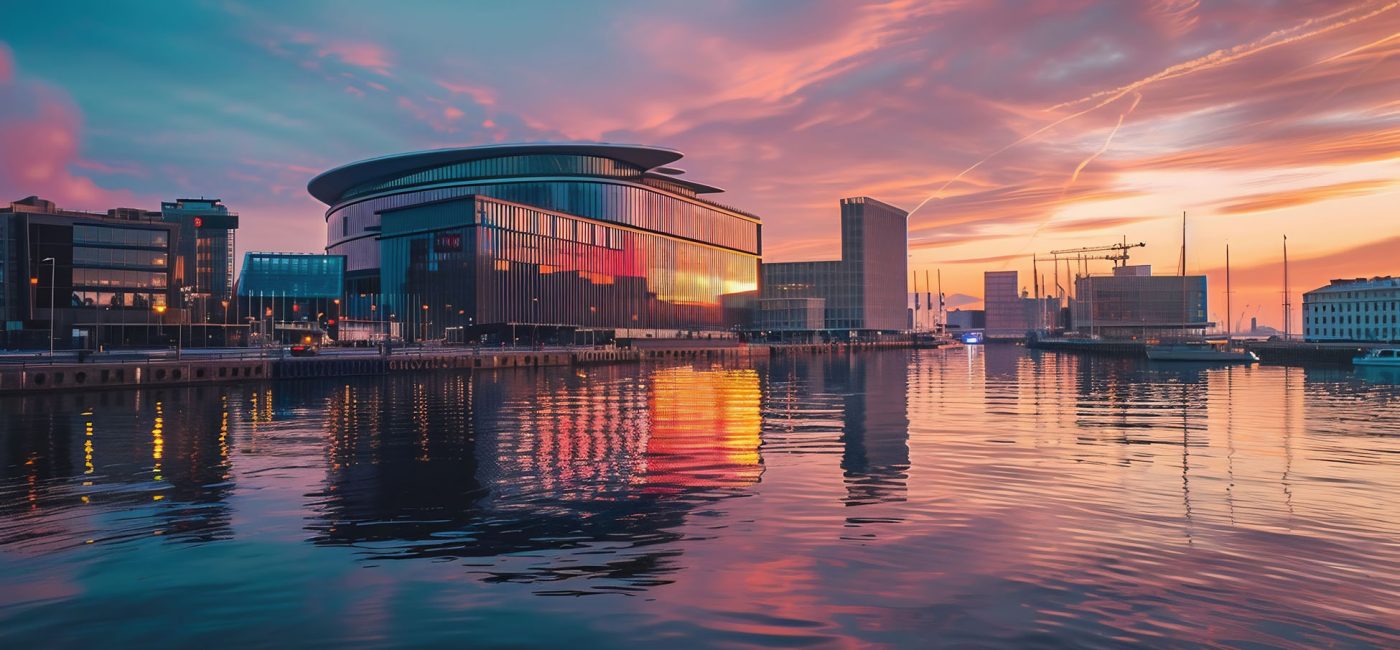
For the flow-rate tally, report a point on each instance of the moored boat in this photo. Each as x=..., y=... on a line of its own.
x=1383, y=357
x=1200, y=351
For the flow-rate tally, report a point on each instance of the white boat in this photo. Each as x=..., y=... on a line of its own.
x=1200, y=351
x=1382, y=357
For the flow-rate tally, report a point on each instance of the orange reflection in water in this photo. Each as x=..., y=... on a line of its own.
x=705, y=429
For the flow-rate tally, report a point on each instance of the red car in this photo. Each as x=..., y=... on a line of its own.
x=303, y=350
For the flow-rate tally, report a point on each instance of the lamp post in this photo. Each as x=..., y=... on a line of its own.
x=53, y=280
x=160, y=309
x=225, y=336
x=535, y=335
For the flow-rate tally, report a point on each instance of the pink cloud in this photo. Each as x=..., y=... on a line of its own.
x=483, y=96
x=360, y=54
x=452, y=113
x=439, y=121
x=44, y=124
x=363, y=55
x=7, y=64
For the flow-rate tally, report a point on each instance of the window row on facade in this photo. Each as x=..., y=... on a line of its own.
x=1353, y=333
x=118, y=257
x=85, y=277
x=639, y=207
x=117, y=299
x=1350, y=307
x=499, y=167
x=120, y=236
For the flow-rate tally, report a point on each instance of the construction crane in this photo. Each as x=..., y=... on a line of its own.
x=1119, y=254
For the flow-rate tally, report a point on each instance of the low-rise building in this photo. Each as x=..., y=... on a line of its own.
x=295, y=297
x=1359, y=309
x=1134, y=304
x=84, y=280
x=791, y=314
x=963, y=320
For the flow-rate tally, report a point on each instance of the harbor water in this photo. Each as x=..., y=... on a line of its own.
x=904, y=498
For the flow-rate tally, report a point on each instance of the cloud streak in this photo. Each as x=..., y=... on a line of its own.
x=1293, y=198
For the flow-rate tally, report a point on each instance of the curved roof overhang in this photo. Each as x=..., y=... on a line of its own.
x=329, y=186
x=698, y=188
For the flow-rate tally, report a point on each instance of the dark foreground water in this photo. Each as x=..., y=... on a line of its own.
x=970, y=497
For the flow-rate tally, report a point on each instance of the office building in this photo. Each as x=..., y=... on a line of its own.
x=1134, y=304
x=89, y=279
x=203, y=255
x=1005, y=311
x=863, y=293
x=536, y=241
x=290, y=297
x=1360, y=310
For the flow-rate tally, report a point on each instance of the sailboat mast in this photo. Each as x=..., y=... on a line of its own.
x=928, y=299
x=1287, y=298
x=1227, y=293
x=916, y=299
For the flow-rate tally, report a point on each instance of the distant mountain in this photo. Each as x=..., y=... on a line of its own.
x=956, y=300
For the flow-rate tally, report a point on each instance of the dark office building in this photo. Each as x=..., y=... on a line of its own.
x=92, y=279
x=536, y=240
x=866, y=290
x=1134, y=304
x=288, y=297
x=203, y=255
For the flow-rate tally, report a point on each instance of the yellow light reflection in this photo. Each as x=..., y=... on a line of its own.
x=706, y=427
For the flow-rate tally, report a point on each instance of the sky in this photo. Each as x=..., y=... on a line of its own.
x=1007, y=128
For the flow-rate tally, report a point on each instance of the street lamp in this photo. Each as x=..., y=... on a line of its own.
x=160, y=309
x=53, y=273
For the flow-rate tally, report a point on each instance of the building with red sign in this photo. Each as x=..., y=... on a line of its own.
x=537, y=242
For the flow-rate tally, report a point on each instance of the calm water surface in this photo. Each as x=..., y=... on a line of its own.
x=969, y=497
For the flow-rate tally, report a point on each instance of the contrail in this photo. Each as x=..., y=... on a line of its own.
x=1137, y=97
x=1221, y=57
x=1214, y=59
x=1356, y=49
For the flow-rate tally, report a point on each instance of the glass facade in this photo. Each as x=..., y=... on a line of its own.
x=577, y=236
x=486, y=264
x=865, y=290
x=206, y=245
x=290, y=297
x=82, y=280
x=120, y=266
x=1128, y=306
x=292, y=274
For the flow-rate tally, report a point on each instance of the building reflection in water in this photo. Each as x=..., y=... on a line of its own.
x=869, y=395
x=74, y=454
x=705, y=430
x=499, y=463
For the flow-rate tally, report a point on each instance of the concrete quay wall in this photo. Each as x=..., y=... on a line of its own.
x=68, y=376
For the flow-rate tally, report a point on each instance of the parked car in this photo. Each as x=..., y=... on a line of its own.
x=301, y=350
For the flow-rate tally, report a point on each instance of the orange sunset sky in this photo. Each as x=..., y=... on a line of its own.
x=1013, y=127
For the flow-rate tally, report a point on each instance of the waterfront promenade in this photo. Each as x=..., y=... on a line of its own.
x=29, y=373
